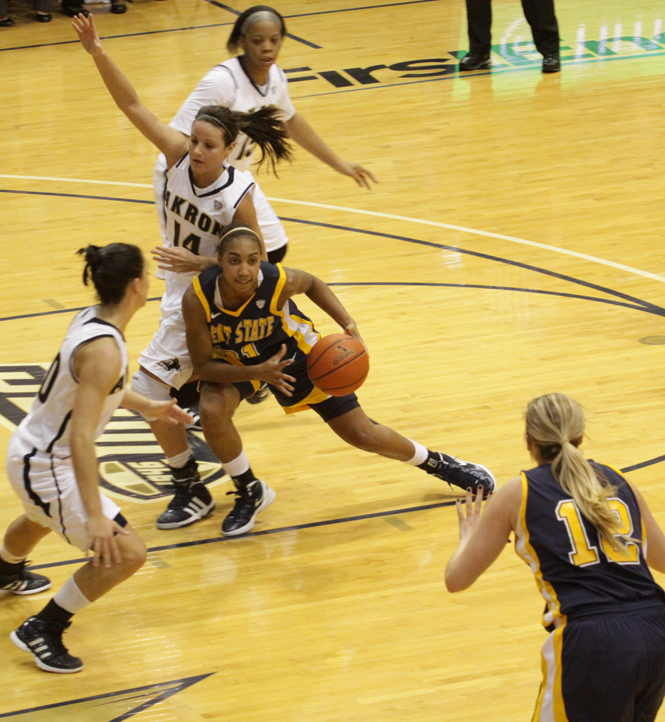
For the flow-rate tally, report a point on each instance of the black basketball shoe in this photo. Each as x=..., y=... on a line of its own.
x=44, y=641
x=259, y=396
x=460, y=473
x=192, y=500
x=251, y=499
x=23, y=582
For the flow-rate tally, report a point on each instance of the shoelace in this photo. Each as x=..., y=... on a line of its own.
x=244, y=502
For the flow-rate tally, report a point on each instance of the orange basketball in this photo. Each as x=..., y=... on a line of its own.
x=338, y=364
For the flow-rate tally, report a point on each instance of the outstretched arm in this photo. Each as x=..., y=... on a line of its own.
x=318, y=292
x=169, y=141
x=306, y=137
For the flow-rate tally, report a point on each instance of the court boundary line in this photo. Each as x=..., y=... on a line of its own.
x=357, y=211
x=313, y=524
x=516, y=289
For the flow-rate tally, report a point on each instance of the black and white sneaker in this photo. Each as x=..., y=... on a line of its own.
x=44, y=641
x=24, y=582
x=259, y=396
x=192, y=500
x=251, y=499
x=460, y=473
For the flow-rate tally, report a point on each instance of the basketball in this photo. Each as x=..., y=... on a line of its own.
x=338, y=364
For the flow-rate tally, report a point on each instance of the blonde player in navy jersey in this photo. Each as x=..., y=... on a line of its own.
x=244, y=83
x=52, y=463
x=243, y=328
x=583, y=530
x=203, y=194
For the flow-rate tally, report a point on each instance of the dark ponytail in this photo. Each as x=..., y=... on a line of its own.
x=111, y=269
x=263, y=126
x=242, y=26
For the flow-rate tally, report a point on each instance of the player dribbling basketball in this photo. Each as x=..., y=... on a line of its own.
x=244, y=328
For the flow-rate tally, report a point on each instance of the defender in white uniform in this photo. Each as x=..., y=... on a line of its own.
x=229, y=86
x=195, y=217
x=243, y=84
x=39, y=462
x=52, y=464
x=203, y=192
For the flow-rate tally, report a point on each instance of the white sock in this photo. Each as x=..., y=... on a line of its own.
x=179, y=460
x=70, y=597
x=8, y=557
x=420, y=456
x=238, y=466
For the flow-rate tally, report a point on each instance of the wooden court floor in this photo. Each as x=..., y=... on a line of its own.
x=512, y=247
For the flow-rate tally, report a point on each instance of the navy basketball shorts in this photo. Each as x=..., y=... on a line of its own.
x=605, y=668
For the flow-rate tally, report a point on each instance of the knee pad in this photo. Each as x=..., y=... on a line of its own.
x=150, y=388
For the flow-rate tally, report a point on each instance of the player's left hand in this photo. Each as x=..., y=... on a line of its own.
x=359, y=174
x=170, y=411
x=178, y=260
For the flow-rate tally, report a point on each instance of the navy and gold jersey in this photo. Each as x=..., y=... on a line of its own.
x=577, y=571
x=256, y=331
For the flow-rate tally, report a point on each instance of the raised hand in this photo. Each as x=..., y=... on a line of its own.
x=87, y=32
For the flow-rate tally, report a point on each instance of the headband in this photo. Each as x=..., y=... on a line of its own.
x=259, y=17
x=240, y=228
x=213, y=120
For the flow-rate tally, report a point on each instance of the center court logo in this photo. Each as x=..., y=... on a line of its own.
x=131, y=463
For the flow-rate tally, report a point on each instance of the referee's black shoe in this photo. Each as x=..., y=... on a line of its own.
x=551, y=64
x=23, y=582
x=475, y=61
x=192, y=500
x=44, y=641
x=463, y=474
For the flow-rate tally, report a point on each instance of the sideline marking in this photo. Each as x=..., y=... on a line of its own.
x=391, y=216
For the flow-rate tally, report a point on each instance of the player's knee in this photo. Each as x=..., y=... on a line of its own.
x=134, y=553
x=362, y=437
x=217, y=404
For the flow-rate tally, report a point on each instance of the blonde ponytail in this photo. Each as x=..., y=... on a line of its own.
x=555, y=425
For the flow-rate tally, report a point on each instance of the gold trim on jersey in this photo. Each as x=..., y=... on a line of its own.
x=528, y=553
x=231, y=358
x=316, y=396
x=196, y=284
x=301, y=329
x=550, y=706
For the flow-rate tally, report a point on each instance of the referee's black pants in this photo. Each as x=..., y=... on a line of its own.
x=538, y=13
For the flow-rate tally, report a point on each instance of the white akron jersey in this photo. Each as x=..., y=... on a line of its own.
x=195, y=217
x=46, y=427
x=228, y=85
